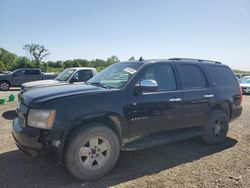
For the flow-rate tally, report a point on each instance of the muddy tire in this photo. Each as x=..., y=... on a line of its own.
x=216, y=129
x=91, y=153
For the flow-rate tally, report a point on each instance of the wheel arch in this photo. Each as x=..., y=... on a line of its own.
x=111, y=121
x=225, y=106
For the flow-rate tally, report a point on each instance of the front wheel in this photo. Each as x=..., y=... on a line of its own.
x=91, y=153
x=4, y=85
x=215, y=131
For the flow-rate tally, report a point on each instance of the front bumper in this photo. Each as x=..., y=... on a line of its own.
x=27, y=139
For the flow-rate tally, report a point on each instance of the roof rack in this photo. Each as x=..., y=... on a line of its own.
x=198, y=60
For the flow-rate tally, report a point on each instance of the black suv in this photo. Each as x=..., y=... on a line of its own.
x=128, y=106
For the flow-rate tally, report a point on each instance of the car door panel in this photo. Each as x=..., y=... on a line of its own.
x=195, y=107
x=155, y=111
x=197, y=94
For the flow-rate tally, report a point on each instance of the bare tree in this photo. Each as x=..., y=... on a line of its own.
x=37, y=52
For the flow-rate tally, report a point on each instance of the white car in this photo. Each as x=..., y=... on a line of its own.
x=70, y=75
x=245, y=85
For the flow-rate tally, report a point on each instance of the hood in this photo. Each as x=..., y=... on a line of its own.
x=29, y=85
x=40, y=95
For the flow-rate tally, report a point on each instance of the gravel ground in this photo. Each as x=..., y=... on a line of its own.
x=189, y=163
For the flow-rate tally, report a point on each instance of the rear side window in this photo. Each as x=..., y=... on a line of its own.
x=192, y=77
x=221, y=75
x=32, y=72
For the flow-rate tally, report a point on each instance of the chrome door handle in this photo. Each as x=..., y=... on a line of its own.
x=209, y=96
x=175, y=100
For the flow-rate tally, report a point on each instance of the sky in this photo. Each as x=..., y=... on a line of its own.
x=153, y=29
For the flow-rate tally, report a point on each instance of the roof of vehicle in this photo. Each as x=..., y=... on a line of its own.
x=175, y=60
x=82, y=68
x=28, y=69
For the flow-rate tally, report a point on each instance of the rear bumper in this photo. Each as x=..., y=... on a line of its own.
x=236, y=112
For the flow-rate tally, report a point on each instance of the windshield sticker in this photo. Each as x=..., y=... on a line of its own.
x=130, y=70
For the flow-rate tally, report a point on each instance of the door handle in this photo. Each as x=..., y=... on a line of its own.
x=209, y=96
x=175, y=100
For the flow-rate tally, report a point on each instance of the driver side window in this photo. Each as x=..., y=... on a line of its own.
x=20, y=72
x=163, y=74
x=83, y=75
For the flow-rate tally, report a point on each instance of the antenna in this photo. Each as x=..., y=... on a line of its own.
x=141, y=59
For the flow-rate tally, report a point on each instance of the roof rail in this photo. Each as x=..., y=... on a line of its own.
x=198, y=60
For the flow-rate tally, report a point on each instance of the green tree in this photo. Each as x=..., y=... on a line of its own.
x=113, y=59
x=22, y=62
x=37, y=53
x=131, y=58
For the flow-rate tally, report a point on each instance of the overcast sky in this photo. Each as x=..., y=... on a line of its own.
x=90, y=29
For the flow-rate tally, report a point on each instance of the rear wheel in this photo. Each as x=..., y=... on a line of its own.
x=4, y=85
x=91, y=153
x=216, y=129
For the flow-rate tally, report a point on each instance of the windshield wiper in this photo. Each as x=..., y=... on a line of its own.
x=98, y=84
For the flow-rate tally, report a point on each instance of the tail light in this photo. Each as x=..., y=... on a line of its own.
x=241, y=95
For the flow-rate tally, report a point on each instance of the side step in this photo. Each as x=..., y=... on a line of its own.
x=161, y=138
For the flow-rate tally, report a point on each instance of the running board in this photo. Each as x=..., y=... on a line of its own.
x=161, y=138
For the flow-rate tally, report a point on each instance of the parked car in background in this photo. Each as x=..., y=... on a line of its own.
x=244, y=77
x=4, y=72
x=238, y=76
x=245, y=84
x=70, y=75
x=128, y=106
x=20, y=76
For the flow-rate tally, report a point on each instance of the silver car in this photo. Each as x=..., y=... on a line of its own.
x=245, y=85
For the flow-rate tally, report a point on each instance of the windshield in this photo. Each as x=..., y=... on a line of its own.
x=64, y=76
x=245, y=81
x=116, y=75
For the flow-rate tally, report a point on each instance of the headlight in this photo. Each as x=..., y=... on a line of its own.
x=43, y=119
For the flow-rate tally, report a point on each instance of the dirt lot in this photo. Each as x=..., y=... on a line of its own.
x=188, y=163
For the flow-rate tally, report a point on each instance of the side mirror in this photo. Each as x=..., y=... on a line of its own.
x=14, y=74
x=146, y=86
x=74, y=79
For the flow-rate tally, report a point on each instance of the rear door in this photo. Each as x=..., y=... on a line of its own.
x=32, y=75
x=197, y=94
x=155, y=111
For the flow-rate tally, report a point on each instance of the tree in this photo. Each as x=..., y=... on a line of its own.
x=37, y=52
x=113, y=59
x=22, y=62
x=131, y=58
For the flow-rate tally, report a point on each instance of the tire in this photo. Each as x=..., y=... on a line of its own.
x=215, y=131
x=86, y=162
x=4, y=85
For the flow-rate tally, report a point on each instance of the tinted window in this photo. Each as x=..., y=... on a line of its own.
x=163, y=74
x=221, y=75
x=19, y=72
x=83, y=75
x=192, y=77
x=32, y=72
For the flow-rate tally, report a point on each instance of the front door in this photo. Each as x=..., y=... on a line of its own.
x=18, y=77
x=155, y=111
